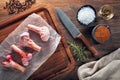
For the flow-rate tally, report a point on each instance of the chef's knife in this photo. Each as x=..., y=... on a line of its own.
x=74, y=31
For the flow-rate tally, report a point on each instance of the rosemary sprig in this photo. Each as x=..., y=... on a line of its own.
x=78, y=51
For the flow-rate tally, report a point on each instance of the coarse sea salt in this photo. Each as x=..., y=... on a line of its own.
x=86, y=15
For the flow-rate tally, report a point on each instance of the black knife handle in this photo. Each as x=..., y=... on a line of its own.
x=89, y=45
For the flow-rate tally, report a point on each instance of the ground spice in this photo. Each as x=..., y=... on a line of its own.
x=102, y=33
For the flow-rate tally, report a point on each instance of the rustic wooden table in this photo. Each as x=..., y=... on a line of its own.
x=70, y=7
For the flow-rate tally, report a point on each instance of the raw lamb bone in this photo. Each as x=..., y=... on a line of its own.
x=39, y=57
x=42, y=31
x=26, y=41
x=9, y=63
x=25, y=57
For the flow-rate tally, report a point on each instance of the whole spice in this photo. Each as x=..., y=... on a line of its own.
x=78, y=51
x=15, y=6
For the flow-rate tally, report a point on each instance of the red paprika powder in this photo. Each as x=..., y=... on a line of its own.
x=102, y=33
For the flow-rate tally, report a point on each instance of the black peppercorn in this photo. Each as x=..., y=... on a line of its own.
x=14, y=6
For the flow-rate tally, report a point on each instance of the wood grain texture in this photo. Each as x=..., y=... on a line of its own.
x=70, y=7
x=113, y=23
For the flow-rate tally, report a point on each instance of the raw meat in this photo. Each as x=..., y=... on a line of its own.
x=27, y=41
x=25, y=57
x=42, y=31
x=12, y=64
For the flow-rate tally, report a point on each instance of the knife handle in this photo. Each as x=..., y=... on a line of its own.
x=89, y=45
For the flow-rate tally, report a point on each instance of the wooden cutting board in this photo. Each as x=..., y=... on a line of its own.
x=61, y=62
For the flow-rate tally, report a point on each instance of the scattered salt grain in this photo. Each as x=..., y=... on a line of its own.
x=86, y=15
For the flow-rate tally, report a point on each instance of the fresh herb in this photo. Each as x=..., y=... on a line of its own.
x=78, y=50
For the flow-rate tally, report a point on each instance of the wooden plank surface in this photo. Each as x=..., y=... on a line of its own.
x=113, y=23
x=70, y=7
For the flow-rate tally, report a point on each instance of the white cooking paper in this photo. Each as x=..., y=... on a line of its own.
x=48, y=48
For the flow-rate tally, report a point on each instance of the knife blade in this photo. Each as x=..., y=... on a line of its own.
x=74, y=31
